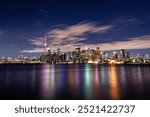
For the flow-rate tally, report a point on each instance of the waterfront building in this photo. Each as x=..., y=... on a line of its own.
x=122, y=53
x=127, y=55
x=104, y=55
x=97, y=54
x=91, y=56
x=58, y=51
x=49, y=51
x=77, y=50
x=115, y=56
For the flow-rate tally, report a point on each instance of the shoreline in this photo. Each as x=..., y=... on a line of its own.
x=77, y=63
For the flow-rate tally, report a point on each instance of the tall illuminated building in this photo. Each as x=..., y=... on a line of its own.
x=77, y=50
x=97, y=54
x=122, y=53
x=58, y=51
x=127, y=55
x=104, y=55
x=97, y=49
x=49, y=51
x=115, y=56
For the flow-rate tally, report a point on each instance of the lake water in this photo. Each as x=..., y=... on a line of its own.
x=74, y=81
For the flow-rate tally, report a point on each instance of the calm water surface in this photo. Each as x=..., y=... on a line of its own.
x=74, y=81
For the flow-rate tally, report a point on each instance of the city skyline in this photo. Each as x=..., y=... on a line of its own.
x=110, y=25
x=88, y=55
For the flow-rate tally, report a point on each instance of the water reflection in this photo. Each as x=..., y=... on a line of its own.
x=96, y=81
x=114, y=88
x=52, y=77
x=87, y=82
x=75, y=81
x=45, y=81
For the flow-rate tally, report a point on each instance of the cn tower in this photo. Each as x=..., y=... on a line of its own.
x=45, y=44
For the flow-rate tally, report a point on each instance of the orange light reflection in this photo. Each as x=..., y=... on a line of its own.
x=114, y=88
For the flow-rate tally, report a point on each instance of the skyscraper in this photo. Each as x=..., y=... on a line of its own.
x=122, y=53
x=115, y=56
x=77, y=50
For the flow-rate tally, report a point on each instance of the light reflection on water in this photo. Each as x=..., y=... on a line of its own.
x=74, y=81
x=87, y=82
x=114, y=88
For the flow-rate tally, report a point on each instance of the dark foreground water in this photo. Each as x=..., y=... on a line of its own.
x=74, y=81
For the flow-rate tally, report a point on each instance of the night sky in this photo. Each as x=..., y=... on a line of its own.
x=109, y=24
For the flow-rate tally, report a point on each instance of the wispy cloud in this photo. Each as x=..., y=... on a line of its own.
x=38, y=41
x=132, y=43
x=125, y=20
x=71, y=35
x=76, y=35
x=35, y=50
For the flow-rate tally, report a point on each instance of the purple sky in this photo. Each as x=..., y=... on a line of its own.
x=109, y=24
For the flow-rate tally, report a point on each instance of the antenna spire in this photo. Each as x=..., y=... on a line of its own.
x=45, y=44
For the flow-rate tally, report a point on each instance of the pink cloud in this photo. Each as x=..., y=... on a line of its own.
x=70, y=37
